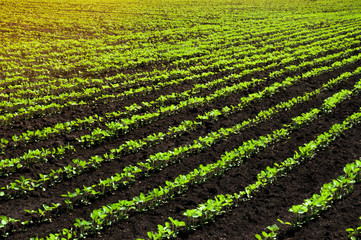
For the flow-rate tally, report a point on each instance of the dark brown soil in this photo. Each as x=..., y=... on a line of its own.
x=243, y=222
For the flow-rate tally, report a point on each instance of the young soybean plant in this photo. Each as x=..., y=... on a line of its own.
x=271, y=235
x=168, y=231
x=7, y=225
x=354, y=233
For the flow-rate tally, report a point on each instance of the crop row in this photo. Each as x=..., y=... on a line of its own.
x=208, y=60
x=120, y=210
x=24, y=185
x=90, y=93
x=311, y=208
x=114, y=127
x=222, y=203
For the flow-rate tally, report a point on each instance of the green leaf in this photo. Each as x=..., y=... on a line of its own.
x=259, y=237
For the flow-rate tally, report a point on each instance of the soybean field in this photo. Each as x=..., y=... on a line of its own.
x=180, y=119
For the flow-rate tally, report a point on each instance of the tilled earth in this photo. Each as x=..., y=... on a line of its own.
x=243, y=222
